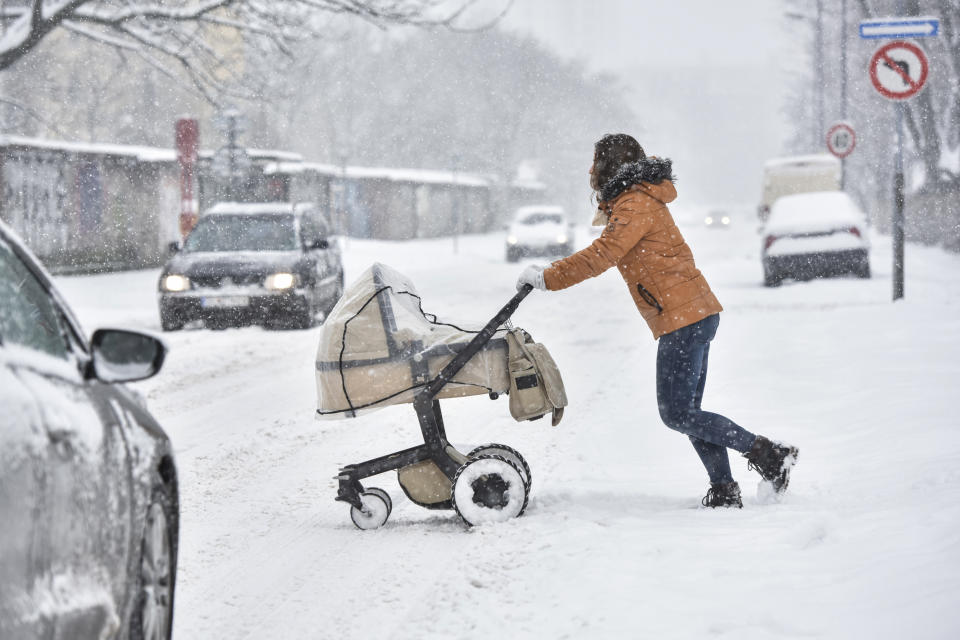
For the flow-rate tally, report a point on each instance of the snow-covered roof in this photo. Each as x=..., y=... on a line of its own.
x=252, y=208
x=420, y=176
x=288, y=156
x=260, y=154
x=142, y=153
x=295, y=168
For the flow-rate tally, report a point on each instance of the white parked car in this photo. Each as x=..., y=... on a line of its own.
x=541, y=230
x=815, y=235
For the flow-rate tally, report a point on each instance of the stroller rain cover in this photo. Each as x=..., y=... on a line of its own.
x=378, y=347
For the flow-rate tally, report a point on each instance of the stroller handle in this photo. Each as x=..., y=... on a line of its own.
x=474, y=346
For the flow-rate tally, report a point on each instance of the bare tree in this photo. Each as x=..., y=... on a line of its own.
x=482, y=102
x=203, y=38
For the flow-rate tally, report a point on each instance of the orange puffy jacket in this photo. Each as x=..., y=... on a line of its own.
x=644, y=242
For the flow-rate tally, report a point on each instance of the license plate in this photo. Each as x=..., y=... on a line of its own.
x=225, y=301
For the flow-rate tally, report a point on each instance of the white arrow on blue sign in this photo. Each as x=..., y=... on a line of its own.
x=899, y=27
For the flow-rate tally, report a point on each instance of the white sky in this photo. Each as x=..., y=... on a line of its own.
x=707, y=76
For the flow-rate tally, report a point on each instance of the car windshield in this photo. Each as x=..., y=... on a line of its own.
x=243, y=233
x=540, y=218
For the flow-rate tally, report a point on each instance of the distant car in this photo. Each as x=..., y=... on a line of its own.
x=539, y=231
x=717, y=220
x=273, y=264
x=88, y=484
x=814, y=235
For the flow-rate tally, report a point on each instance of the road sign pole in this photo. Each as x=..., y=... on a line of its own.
x=898, y=217
x=898, y=70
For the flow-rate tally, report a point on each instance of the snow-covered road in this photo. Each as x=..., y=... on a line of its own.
x=866, y=544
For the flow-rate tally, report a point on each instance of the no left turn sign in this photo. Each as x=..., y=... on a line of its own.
x=841, y=139
x=898, y=70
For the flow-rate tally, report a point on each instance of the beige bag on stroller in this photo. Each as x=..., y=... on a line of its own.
x=536, y=387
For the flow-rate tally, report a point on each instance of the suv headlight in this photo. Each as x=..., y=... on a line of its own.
x=280, y=281
x=511, y=239
x=562, y=238
x=174, y=282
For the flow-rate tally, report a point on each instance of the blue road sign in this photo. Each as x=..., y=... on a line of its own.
x=894, y=28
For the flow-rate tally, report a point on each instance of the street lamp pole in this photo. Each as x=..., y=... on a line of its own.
x=819, y=74
x=843, y=83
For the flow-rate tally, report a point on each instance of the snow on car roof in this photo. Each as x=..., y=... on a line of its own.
x=821, y=159
x=538, y=208
x=251, y=208
x=816, y=211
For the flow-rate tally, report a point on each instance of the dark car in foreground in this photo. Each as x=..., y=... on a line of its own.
x=268, y=263
x=815, y=235
x=88, y=485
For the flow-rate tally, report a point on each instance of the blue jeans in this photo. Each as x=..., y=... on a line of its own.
x=681, y=376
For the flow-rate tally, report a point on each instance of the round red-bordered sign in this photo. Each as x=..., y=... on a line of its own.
x=899, y=69
x=841, y=139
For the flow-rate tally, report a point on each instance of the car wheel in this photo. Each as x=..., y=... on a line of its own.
x=771, y=278
x=171, y=321
x=336, y=297
x=330, y=305
x=152, y=617
x=296, y=318
x=863, y=269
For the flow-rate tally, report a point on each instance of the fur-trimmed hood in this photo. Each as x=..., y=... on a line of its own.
x=651, y=169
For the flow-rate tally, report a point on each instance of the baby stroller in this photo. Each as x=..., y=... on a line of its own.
x=378, y=347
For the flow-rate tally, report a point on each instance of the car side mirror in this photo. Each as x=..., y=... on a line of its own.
x=120, y=355
x=173, y=247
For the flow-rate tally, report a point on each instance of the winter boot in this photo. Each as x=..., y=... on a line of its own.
x=723, y=494
x=773, y=461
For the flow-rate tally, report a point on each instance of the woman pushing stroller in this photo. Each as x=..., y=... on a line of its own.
x=642, y=240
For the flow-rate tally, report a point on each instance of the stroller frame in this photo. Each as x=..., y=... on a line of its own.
x=427, y=408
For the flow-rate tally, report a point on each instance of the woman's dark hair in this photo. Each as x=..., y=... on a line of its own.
x=610, y=153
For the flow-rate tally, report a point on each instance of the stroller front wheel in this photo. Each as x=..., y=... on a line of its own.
x=376, y=509
x=489, y=488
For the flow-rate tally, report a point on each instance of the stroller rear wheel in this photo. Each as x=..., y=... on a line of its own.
x=489, y=488
x=510, y=454
x=376, y=509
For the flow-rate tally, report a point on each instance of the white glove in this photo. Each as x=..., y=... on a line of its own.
x=532, y=275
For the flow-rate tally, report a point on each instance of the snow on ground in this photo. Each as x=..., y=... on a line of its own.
x=866, y=543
